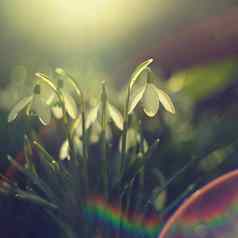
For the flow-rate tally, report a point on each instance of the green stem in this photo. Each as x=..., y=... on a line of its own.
x=84, y=168
x=123, y=151
x=46, y=80
x=124, y=133
x=82, y=106
x=85, y=151
x=103, y=143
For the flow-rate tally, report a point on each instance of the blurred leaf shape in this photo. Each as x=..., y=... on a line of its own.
x=202, y=81
x=216, y=158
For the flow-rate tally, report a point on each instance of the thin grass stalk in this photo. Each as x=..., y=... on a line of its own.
x=80, y=95
x=105, y=162
x=173, y=204
x=104, y=169
x=84, y=169
x=128, y=197
x=141, y=175
x=123, y=151
x=178, y=173
x=85, y=147
x=139, y=200
x=45, y=79
x=124, y=133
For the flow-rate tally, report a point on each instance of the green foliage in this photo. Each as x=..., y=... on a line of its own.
x=63, y=187
x=201, y=81
x=106, y=153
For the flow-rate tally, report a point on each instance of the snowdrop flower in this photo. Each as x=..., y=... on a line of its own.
x=111, y=112
x=64, y=149
x=69, y=102
x=34, y=105
x=145, y=90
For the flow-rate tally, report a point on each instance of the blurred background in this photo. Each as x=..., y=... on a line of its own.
x=195, y=47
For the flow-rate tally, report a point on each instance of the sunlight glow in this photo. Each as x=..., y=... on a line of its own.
x=79, y=22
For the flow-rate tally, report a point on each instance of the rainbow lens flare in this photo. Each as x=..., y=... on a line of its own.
x=211, y=212
x=131, y=226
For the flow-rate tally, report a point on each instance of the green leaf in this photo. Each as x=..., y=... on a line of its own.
x=70, y=105
x=159, y=198
x=115, y=115
x=166, y=101
x=28, y=155
x=32, y=177
x=137, y=91
x=134, y=169
x=27, y=196
x=18, y=107
x=139, y=69
x=195, y=83
x=150, y=100
x=41, y=150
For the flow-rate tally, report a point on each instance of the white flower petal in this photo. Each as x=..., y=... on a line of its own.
x=70, y=105
x=165, y=100
x=78, y=146
x=92, y=116
x=150, y=101
x=95, y=132
x=115, y=115
x=137, y=91
x=64, y=150
x=57, y=112
x=41, y=109
x=18, y=107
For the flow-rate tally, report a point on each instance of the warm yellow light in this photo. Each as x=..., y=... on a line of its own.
x=84, y=12
x=85, y=22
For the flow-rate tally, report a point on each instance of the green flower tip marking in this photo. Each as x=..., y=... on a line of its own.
x=60, y=71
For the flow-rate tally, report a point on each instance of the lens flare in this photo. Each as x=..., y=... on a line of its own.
x=211, y=212
x=98, y=210
x=112, y=217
